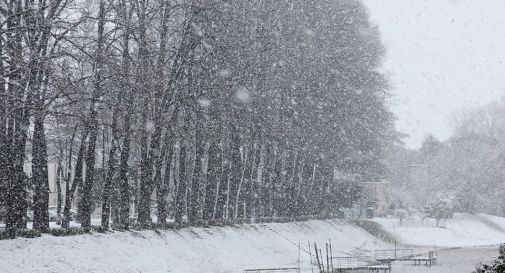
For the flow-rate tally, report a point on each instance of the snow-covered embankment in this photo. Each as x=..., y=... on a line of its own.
x=216, y=249
x=231, y=249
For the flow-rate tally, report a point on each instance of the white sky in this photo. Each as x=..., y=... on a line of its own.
x=443, y=56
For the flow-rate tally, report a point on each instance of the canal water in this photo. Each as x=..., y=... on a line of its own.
x=457, y=260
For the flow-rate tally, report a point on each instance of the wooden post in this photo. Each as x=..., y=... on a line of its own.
x=395, y=249
x=327, y=259
x=317, y=258
x=310, y=254
x=331, y=256
x=298, y=254
x=322, y=261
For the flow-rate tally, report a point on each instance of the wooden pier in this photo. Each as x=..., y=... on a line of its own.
x=358, y=263
x=407, y=254
x=380, y=263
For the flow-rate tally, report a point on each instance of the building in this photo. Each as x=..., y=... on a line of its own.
x=52, y=168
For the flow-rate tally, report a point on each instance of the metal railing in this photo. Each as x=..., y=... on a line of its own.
x=394, y=253
x=274, y=270
x=351, y=262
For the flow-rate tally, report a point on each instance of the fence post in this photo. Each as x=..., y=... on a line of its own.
x=317, y=258
x=322, y=261
x=298, y=254
x=327, y=259
x=331, y=256
x=395, y=249
x=310, y=254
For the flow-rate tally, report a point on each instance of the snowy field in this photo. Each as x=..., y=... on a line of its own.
x=209, y=250
x=463, y=230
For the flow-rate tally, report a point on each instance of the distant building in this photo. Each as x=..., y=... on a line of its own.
x=52, y=168
x=374, y=195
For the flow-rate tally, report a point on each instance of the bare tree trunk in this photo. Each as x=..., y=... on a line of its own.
x=227, y=193
x=257, y=200
x=250, y=193
x=124, y=199
x=241, y=182
x=282, y=189
x=124, y=195
x=78, y=178
x=212, y=180
x=299, y=182
x=93, y=124
x=107, y=189
x=204, y=182
x=40, y=177
x=59, y=174
x=162, y=184
x=272, y=180
x=181, y=185
x=17, y=124
x=4, y=150
x=194, y=207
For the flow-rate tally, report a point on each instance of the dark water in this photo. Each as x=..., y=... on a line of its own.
x=458, y=260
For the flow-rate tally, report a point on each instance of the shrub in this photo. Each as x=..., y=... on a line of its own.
x=71, y=231
x=25, y=233
x=497, y=266
x=28, y=233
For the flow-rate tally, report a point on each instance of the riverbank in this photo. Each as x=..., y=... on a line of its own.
x=463, y=230
x=232, y=249
x=214, y=249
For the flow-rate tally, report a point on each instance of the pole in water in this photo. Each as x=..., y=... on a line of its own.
x=317, y=258
x=310, y=254
x=395, y=249
x=327, y=259
x=331, y=256
x=298, y=254
x=322, y=261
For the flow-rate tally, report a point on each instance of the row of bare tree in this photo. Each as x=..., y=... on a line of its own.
x=192, y=109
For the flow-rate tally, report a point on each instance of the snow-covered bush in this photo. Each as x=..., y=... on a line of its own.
x=497, y=266
x=25, y=233
x=439, y=210
x=67, y=231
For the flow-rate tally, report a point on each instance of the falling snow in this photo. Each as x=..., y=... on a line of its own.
x=215, y=136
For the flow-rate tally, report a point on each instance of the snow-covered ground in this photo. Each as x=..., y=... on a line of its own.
x=463, y=230
x=233, y=249
x=216, y=249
